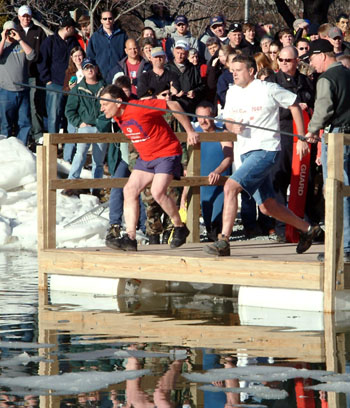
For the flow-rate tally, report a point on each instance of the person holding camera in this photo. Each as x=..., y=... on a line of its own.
x=14, y=98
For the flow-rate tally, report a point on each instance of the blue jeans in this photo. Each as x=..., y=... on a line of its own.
x=346, y=183
x=69, y=149
x=116, y=200
x=15, y=111
x=54, y=107
x=98, y=156
x=254, y=174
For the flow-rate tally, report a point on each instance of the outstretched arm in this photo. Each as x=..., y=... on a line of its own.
x=192, y=136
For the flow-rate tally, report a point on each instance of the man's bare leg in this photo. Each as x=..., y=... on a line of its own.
x=138, y=180
x=278, y=211
x=229, y=213
x=160, y=184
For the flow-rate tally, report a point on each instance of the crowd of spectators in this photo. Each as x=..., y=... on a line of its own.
x=166, y=57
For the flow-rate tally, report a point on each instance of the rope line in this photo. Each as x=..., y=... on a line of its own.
x=282, y=132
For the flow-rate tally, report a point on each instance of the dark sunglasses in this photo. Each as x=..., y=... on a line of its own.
x=165, y=94
x=303, y=48
x=216, y=26
x=181, y=25
x=107, y=18
x=285, y=59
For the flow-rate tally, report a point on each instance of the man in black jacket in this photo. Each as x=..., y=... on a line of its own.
x=191, y=85
x=289, y=78
x=33, y=35
x=54, y=57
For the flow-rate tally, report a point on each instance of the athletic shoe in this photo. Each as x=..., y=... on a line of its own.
x=154, y=239
x=219, y=248
x=306, y=238
x=124, y=244
x=166, y=236
x=113, y=232
x=179, y=236
x=320, y=257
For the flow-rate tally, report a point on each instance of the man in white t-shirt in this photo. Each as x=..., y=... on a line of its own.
x=254, y=102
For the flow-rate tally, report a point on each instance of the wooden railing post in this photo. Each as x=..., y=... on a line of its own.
x=193, y=200
x=334, y=236
x=51, y=174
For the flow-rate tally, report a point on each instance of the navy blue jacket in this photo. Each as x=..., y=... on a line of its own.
x=54, y=58
x=224, y=81
x=122, y=67
x=106, y=51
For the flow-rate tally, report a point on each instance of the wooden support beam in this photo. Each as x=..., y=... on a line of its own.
x=334, y=263
x=193, y=198
x=191, y=181
x=58, y=138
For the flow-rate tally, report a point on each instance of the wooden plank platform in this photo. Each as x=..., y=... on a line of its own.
x=257, y=263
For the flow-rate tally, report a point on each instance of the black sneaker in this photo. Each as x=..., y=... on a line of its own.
x=113, y=232
x=154, y=239
x=219, y=248
x=122, y=244
x=179, y=236
x=306, y=238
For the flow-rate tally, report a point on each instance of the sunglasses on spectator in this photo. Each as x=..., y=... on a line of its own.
x=165, y=94
x=285, y=59
x=181, y=25
x=107, y=18
x=273, y=52
x=216, y=26
x=303, y=48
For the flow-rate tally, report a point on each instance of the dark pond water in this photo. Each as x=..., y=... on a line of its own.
x=173, y=349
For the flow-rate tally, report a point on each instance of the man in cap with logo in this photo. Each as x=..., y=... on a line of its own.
x=332, y=113
x=158, y=76
x=182, y=33
x=33, y=35
x=55, y=52
x=235, y=36
x=191, y=84
x=217, y=29
x=335, y=37
x=14, y=99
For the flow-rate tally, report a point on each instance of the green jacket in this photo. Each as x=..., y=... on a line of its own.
x=80, y=109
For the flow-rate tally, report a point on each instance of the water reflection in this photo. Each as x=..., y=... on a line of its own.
x=168, y=350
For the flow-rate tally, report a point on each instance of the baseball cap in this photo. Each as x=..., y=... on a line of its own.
x=24, y=10
x=335, y=32
x=235, y=27
x=10, y=25
x=319, y=46
x=86, y=62
x=182, y=44
x=297, y=23
x=216, y=20
x=181, y=19
x=157, y=52
x=67, y=22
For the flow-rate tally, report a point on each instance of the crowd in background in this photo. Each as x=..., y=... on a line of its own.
x=168, y=62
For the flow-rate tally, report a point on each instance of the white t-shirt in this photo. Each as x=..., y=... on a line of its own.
x=257, y=104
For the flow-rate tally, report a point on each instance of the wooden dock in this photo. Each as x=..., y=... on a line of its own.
x=252, y=263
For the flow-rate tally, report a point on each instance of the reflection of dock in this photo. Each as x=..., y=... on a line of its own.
x=327, y=346
x=251, y=264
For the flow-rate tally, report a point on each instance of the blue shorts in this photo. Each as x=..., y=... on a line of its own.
x=254, y=175
x=166, y=165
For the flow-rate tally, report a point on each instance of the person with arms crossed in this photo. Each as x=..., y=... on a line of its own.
x=255, y=102
x=159, y=161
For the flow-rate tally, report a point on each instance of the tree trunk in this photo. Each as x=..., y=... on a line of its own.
x=286, y=14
